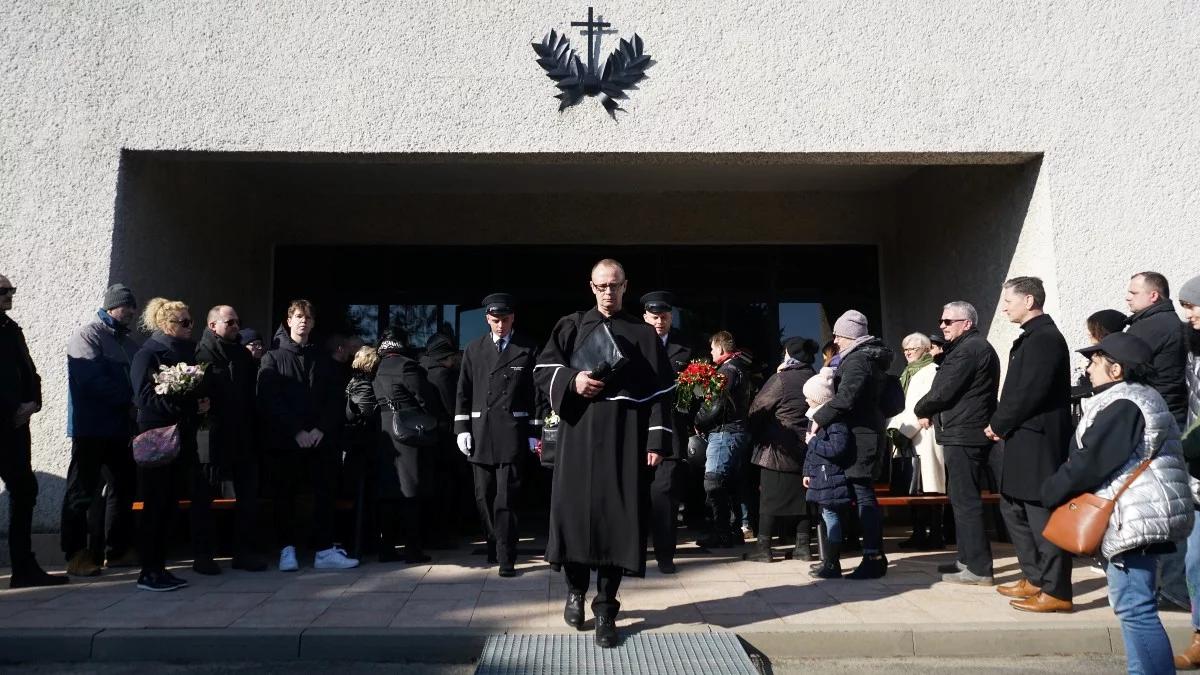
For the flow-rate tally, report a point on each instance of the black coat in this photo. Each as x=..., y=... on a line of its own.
x=300, y=388
x=1161, y=328
x=1034, y=413
x=230, y=378
x=731, y=409
x=680, y=355
x=156, y=410
x=859, y=382
x=601, y=482
x=496, y=399
x=778, y=420
x=19, y=380
x=445, y=382
x=404, y=470
x=362, y=411
x=963, y=396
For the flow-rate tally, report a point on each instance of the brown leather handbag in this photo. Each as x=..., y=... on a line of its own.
x=1078, y=526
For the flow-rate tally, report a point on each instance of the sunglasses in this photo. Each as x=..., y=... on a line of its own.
x=10, y=290
x=186, y=323
x=948, y=322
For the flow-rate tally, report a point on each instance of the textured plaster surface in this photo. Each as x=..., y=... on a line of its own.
x=1105, y=92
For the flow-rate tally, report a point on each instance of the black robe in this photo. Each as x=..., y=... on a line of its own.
x=601, y=481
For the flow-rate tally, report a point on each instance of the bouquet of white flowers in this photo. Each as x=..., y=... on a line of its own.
x=177, y=380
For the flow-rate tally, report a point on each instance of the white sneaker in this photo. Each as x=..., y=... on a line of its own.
x=334, y=558
x=287, y=559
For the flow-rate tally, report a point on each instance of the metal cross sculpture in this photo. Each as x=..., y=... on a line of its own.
x=625, y=67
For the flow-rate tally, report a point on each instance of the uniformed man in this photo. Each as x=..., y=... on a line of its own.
x=670, y=476
x=497, y=422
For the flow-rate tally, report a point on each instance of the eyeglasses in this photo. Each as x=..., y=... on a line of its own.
x=186, y=323
x=614, y=286
x=911, y=349
x=949, y=322
x=9, y=290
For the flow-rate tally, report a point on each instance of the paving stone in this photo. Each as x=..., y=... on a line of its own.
x=197, y=644
x=356, y=618
x=57, y=645
x=370, y=601
x=283, y=613
x=447, y=591
x=429, y=613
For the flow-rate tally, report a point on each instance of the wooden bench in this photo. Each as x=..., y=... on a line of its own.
x=885, y=498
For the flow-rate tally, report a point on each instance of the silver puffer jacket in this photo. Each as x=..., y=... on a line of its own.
x=1157, y=507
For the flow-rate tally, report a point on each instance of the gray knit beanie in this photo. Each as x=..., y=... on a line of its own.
x=1190, y=292
x=852, y=324
x=119, y=295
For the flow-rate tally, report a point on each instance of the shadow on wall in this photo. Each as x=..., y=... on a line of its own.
x=959, y=227
x=48, y=484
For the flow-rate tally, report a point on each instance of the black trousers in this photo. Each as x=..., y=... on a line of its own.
x=496, y=490
x=96, y=461
x=608, y=582
x=245, y=512
x=665, y=493
x=1044, y=564
x=965, y=472
x=160, y=488
x=291, y=470
x=16, y=470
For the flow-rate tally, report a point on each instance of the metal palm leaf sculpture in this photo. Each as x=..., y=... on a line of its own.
x=625, y=67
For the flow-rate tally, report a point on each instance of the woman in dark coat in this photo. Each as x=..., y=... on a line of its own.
x=170, y=343
x=777, y=426
x=405, y=471
x=362, y=438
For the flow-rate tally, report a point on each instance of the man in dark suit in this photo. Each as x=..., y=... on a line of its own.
x=497, y=423
x=1033, y=419
x=670, y=476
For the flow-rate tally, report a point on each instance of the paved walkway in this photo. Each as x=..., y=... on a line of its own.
x=460, y=594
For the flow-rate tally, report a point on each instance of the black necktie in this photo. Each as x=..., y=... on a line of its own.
x=500, y=346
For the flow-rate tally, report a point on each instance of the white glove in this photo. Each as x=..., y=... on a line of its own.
x=533, y=444
x=464, y=443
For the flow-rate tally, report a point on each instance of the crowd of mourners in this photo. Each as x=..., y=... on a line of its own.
x=418, y=441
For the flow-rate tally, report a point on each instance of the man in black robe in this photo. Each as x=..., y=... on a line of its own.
x=670, y=477
x=615, y=411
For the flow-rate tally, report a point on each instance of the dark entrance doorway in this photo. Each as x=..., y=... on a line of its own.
x=762, y=294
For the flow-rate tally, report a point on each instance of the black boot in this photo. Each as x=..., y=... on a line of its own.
x=30, y=574
x=412, y=532
x=802, y=550
x=606, y=632
x=721, y=535
x=831, y=566
x=762, y=546
x=573, y=612
x=918, y=540
x=873, y=566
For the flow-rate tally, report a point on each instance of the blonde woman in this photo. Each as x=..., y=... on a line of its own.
x=905, y=429
x=170, y=343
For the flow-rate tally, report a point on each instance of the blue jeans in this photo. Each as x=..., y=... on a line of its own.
x=726, y=450
x=1172, y=575
x=1192, y=559
x=868, y=515
x=833, y=525
x=1131, y=592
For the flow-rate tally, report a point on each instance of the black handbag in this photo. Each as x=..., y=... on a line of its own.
x=549, y=447
x=598, y=353
x=413, y=427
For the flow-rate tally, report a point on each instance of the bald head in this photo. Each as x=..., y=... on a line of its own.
x=223, y=322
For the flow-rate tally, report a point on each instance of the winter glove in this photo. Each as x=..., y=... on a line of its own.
x=464, y=443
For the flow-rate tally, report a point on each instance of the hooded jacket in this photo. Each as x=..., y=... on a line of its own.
x=1161, y=328
x=858, y=383
x=299, y=389
x=962, y=400
x=830, y=451
x=100, y=394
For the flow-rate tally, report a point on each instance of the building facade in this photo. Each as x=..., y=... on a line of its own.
x=893, y=155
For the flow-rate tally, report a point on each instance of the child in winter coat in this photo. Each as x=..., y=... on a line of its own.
x=830, y=451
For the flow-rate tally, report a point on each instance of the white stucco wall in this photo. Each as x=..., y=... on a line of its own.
x=1107, y=91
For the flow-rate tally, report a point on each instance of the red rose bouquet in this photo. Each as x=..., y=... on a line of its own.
x=699, y=382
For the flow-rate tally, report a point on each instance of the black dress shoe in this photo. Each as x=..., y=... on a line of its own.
x=33, y=576
x=508, y=570
x=606, y=632
x=573, y=612
x=666, y=567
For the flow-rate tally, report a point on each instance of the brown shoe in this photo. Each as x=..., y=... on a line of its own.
x=1190, y=658
x=82, y=565
x=1020, y=590
x=1043, y=604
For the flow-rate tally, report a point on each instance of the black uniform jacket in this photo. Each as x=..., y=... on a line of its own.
x=680, y=355
x=1034, y=414
x=496, y=401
